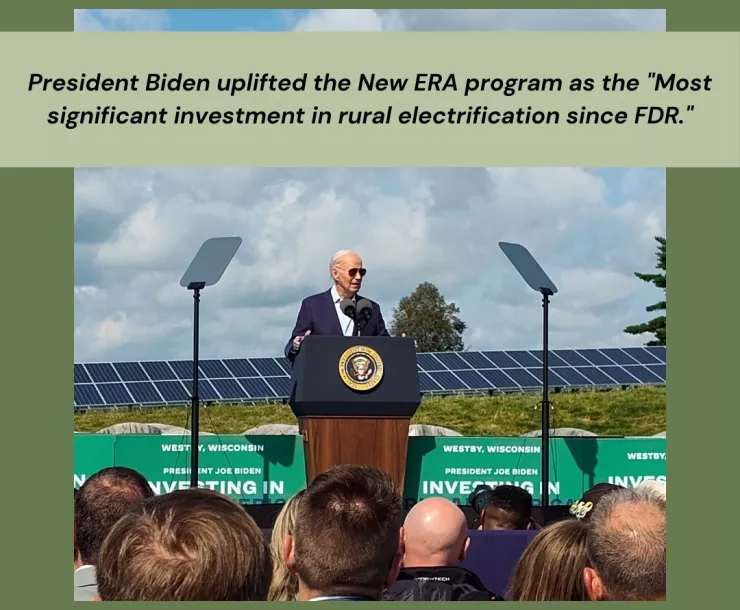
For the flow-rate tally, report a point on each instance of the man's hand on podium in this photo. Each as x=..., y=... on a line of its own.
x=416, y=345
x=298, y=340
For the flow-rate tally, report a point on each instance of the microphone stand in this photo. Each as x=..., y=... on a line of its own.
x=360, y=323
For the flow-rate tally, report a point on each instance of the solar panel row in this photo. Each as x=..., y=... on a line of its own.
x=258, y=379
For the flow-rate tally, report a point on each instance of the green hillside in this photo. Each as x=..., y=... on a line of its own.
x=633, y=412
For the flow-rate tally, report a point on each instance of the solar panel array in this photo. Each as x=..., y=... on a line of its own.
x=242, y=380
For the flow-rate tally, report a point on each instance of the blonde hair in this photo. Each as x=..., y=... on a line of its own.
x=284, y=587
x=551, y=567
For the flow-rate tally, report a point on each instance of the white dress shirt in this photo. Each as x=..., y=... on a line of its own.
x=85, y=584
x=345, y=322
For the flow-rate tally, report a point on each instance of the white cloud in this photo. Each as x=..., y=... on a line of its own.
x=86, y=21
x=371, y=20
x=591, y=288
x=341, y=20
x=136, y=230
x=410, y=225
x=482, y=20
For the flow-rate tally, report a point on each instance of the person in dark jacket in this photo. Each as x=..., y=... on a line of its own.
x=442, y=584
x=435, y=540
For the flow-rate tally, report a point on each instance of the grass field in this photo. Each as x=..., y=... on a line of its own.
x=634, y=412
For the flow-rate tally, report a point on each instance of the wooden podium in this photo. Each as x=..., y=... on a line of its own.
x=354, y=398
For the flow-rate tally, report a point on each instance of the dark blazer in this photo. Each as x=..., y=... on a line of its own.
x=319, y=315
x=453, y=583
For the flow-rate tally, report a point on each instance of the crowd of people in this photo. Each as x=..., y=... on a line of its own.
x=345, y=537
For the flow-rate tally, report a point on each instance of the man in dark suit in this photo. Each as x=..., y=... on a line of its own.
x=320, y=314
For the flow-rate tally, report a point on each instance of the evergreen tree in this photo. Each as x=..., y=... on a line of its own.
x=656, y=326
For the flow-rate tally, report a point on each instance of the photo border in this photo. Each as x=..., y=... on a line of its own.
x=704, y=414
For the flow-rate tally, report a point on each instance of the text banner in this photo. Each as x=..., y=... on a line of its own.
x=270, y=469
x=462, y=99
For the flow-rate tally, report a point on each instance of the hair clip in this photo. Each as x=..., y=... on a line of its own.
x=580, y=509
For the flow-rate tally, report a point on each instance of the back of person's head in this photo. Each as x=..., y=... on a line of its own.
x=583, y=508
x=101, y=501
x=626, y=545
x=658, y=487
x=435, y=534
x=188, y=545
x=284, y=587
x=551, y=567
x=347, y=533
x=509, y=508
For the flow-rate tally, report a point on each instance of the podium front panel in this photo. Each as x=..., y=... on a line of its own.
x=322, y=389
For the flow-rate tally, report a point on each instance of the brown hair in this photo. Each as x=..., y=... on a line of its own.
x=551, y=567
x=284, y=587
x=347, y=531
x=103, y=499
x=188, y=545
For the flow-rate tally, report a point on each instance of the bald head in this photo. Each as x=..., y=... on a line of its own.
x=435, y=534
x=626, y=545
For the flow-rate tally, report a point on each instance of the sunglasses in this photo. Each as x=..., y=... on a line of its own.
x=354, y=271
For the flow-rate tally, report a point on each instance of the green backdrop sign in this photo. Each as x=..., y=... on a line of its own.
x=270, y=469
x=453, y=467
x=252, y=470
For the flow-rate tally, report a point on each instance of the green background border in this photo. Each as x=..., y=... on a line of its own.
x=37, y=245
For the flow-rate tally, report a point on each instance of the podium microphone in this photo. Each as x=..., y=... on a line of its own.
x=349, y=309
x=364, y=310
x=364, y=313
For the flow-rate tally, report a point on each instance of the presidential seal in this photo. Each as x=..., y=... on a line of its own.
x=361, y=368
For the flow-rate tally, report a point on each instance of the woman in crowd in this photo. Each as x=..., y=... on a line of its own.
x=551, y=567
x=284, y=586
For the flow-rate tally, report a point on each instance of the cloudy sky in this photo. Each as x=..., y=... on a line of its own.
x=136, y=230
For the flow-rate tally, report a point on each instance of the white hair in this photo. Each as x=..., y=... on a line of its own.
x=656, y=486
x=338, y=256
